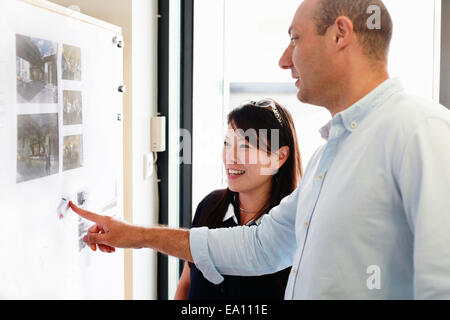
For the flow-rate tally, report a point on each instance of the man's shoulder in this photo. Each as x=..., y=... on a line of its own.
x=415, y=109
x=404, y=112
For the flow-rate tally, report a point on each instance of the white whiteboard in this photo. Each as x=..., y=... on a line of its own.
x=40, y=254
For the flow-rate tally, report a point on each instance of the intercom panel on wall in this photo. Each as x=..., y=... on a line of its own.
x=60, y=140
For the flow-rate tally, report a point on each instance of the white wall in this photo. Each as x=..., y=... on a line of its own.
x=139, y=24
x=145, y=104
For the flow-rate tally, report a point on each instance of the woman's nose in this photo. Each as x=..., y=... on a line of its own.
x=231, y=155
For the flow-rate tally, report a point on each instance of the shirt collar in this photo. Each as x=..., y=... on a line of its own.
x=230, y=214
x=353, y=116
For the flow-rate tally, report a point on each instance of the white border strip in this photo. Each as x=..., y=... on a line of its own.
x=44, y=4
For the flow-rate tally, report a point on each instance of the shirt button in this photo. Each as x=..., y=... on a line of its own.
x=354, y=125
x=294, y=271
x=320, y=177
x=306, y=224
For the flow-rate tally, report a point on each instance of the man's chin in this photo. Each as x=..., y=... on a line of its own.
x=309, y=99
x=306, y=96
x=301, y=96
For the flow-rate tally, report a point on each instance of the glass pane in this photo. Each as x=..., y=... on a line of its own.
x=237, y=54
x=257, y=35
x=412, y=53
x=208, y=98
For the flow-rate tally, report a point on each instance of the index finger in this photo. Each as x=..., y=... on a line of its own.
x=86, y=214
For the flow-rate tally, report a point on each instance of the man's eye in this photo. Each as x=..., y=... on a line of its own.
x=226, y=144
x=294, y=40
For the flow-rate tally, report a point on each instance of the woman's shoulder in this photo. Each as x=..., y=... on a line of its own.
x=210, y=200
x=216, y=194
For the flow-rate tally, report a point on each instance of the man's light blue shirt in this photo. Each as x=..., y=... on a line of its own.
x=371, y=218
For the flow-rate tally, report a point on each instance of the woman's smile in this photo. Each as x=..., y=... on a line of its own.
x=234, y=173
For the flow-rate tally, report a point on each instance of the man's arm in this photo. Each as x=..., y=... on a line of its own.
x=111, y=233
x=245, y=251
x=248, y=251
x=424, y=182
x=173, y=242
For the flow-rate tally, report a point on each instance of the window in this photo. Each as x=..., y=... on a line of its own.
x=237, y=45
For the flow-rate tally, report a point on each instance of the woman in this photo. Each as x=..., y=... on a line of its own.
x=258, y=179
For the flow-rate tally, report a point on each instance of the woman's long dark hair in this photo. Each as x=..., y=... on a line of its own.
x=285, y=181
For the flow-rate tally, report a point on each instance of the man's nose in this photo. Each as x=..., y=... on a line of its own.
x=286, y=59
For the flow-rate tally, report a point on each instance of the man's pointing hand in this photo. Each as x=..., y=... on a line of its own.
x=108, y=233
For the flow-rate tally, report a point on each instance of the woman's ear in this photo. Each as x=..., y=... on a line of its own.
x=283, y=155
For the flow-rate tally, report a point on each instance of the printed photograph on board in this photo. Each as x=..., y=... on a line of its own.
x=37, y=146
x=73, y=106
x=72, y=152
x=71, y=63
x=36, y=70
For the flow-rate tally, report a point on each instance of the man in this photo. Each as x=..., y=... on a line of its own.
x=371, y=218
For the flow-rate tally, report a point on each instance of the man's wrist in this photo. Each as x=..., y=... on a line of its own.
x=142, y=237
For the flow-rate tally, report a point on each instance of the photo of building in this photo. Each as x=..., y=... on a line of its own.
x=36, y=70
x=37, y=146
x=73, y=152
x=71, y=63
x=73, y=106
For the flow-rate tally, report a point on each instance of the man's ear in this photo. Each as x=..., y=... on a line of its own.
x=342, y=32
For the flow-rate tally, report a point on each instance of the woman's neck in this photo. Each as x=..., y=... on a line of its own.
x=253, y=201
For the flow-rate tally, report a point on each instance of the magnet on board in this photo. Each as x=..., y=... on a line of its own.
x=63, y=207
